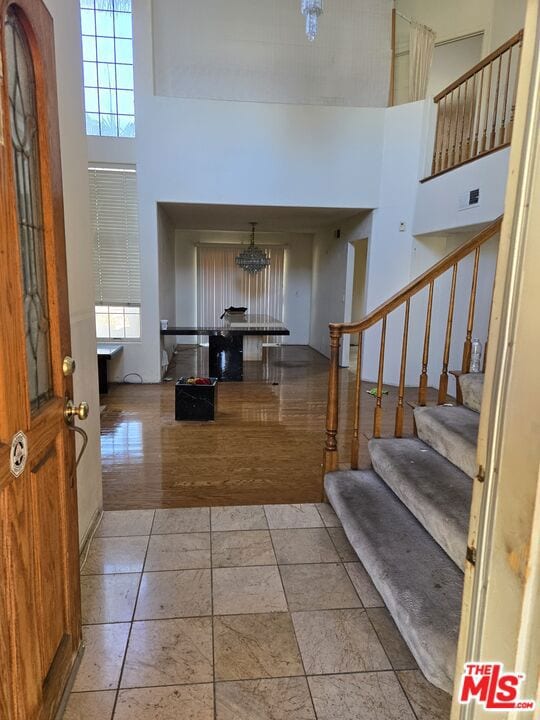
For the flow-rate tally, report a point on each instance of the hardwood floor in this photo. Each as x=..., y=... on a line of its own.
x=264, y=447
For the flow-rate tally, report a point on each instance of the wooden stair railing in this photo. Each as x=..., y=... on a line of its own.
x=380, y=315
x=475, y=114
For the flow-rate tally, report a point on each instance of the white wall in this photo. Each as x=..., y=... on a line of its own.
x=297, y=279
x=258, y=52
x=79, y=248
x=389, y=248
x=166, y=277
x=332, y=279
x=508, y=19
x=437, y=201
x=498, y=19
x=205, y=151
x=451, y=60
x=186, y=283
x=397, y=256
x=359, y=279
x=111, y=151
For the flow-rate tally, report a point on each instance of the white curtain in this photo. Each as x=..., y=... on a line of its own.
x=421, y=45
x=221, y=283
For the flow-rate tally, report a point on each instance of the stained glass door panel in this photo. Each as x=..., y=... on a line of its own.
x=24, y=140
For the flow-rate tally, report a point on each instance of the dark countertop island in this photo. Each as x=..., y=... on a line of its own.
x=226, y=343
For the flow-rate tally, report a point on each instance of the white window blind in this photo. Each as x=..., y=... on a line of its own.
x=115, y=224
x=222, y=283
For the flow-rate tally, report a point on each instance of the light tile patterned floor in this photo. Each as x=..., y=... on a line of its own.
x=239, y=613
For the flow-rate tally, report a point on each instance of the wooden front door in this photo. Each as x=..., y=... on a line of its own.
x=39, y=574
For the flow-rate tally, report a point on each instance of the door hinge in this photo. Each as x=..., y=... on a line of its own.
x=480, y=475
x=471, y=555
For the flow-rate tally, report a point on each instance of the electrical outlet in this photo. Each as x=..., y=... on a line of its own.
x=402, y=227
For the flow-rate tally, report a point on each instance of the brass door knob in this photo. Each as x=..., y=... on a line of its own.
x=71, y=411
x=68, y=366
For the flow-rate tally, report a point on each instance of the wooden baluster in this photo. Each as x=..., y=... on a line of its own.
x=513, y=108
x=470, y=131
x=455, y=130
x=330, y=458
x=448, y=132
x=486, y=119
x=398, y=431
x=391, y=90
x=487, y=340
x=466, y=362
x=502, y=130
x=443, y=380
x=437, y=139
x=356, y=407
x=444, y=143
x=425, y=356
x=464, y=115
x=440, y=159
x=377, y=415
x=478, y=116
x=493, y=135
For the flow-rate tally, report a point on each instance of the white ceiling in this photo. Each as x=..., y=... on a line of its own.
x=270, y=219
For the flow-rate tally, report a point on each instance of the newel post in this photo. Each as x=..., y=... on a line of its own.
x=330, y=459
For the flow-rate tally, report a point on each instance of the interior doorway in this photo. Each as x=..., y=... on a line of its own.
x=358, y=300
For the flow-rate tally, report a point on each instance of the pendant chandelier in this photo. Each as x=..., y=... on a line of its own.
x=312, y=9
x=253, y=259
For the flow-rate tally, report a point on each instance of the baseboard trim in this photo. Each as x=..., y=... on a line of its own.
x=90, y=532
x=69, y=685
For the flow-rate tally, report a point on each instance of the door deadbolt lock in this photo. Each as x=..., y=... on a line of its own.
x=68, y=366
x=72, y=411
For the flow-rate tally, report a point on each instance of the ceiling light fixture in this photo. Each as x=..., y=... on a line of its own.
x=312, y=9
x=253, y=259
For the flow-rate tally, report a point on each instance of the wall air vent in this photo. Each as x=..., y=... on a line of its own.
x=469, y=199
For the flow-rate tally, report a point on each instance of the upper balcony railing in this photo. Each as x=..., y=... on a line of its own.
x=475, y=114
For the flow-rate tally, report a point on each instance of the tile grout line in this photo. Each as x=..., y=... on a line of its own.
x=224, y=567
x=292, y=623
x=406, y=695
x=243, y=680
x=132, y=620
x=212, y=616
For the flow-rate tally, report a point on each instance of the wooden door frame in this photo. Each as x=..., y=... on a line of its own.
x=500, y=600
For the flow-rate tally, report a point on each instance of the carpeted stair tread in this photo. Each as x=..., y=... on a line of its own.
x=472, y=387
x=419, y=583
x=452, y=431
x=436, y=492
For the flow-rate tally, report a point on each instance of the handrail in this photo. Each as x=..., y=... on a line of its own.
x=514, y=40
x=418, y=283
x=380, y=315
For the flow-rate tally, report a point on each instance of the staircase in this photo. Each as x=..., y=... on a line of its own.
x=407, y=519
x=407, y=514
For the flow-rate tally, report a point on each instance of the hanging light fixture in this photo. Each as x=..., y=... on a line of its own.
x=312, y=9
x=253, y=259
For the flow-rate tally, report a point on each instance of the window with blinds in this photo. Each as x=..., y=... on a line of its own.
x=117, y=273
x=221, y=283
